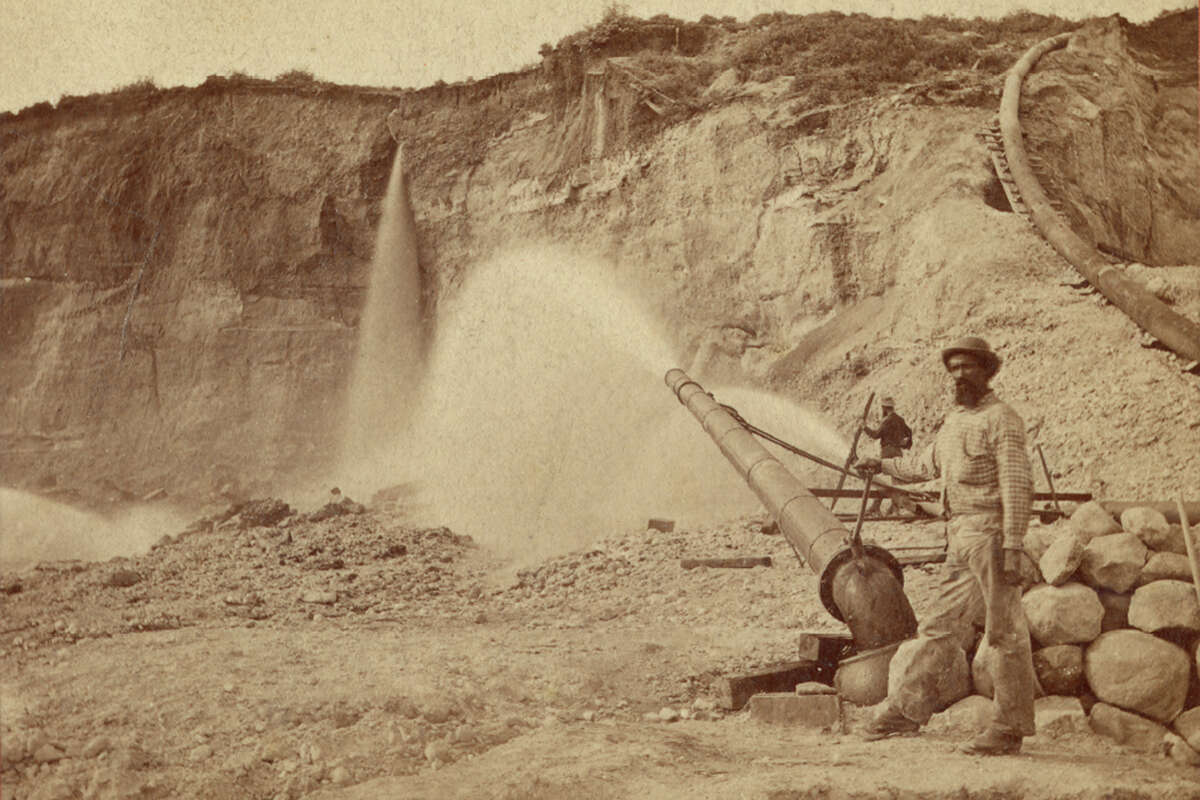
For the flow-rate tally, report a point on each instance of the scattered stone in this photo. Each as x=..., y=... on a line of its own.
x=319, y=597
x=1180, y=751
x=1061, y=559
x=1165, y=566
x=339, y=776
x=704, y=704
x=1127, y=729
x=1138, y=672
x=814, y=687
x=47, y=754
x=14, y=750
x=95, y=746
x=1091, y=520
x=668, y=714
x=202, y=752
x=274, y=750
x=437, y=750
x=437, y=710
x=968, y=716
x=1056, y=716
x=10, y=586
x=264, y=513
x=1165, y=605
x=1059, y=669
x=1067, y=614
x=122, y=578
x=1116, y=610
x=1113, y=561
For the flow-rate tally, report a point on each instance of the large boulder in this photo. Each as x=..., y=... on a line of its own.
x=968, y=716
x=1149, y=525
x=983, y=671
x=1138, y=672
x=1091, y=520
x=1128, y=729
x=1144, y=522
x=1056, y=716
x=1116, y=610
x=1113, y=561
x=1165, y=566
x=1187, y=725
x=1039, y=537
x=1059, y=669
x=1061, y=559
x=926, y=676
x=1165, y=605
x=1068, y=614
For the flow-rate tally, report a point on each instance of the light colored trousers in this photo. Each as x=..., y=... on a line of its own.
x=970, y=594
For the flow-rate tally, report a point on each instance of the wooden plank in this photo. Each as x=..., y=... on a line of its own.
x=737, y=690
x=726, y=563
x=916, y=559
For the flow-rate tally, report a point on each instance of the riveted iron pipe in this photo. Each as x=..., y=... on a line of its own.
x=865, y=591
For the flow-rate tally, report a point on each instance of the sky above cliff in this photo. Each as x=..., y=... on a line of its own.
x=59, y=47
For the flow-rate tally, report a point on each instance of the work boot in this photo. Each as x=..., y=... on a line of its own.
x=993, y=742
x=889, y=723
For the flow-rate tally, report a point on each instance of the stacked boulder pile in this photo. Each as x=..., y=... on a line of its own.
x=1115, y=625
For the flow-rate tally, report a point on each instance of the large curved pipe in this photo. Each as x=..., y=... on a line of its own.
x=1177, y=332
x=865, y=591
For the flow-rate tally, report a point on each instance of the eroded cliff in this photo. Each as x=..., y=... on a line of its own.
x=184, y=272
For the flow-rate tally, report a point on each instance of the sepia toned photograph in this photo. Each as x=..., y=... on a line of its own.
x=598, y=400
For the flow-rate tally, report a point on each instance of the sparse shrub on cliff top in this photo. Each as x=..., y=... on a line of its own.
x=296, y=76
x=140, y=86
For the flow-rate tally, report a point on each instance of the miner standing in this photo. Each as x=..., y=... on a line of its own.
x=987, y=497
x=894, y=437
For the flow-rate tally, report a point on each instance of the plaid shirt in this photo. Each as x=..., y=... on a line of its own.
x=980, y=453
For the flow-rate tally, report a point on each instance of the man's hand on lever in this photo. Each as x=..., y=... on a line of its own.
x=868, y=466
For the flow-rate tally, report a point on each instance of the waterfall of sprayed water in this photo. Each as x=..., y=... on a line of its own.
x=545, y=426
x=389, y=363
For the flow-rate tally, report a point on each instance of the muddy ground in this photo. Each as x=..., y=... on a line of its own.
x=269, y=654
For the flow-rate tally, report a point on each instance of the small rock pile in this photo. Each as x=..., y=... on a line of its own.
x=1115, y=624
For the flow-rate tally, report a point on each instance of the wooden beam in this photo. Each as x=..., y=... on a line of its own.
x=737, y=690
x=726, y=563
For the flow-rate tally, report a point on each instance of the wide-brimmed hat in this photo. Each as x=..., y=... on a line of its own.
x=973, y=346
x=887, y=402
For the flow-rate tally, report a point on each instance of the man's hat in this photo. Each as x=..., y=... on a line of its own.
x=973, y=346
x=887, y=402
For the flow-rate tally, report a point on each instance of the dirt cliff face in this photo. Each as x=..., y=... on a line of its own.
x=184, y=275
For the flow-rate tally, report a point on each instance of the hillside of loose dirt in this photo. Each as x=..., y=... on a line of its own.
x=343, y=653
x=764, y=204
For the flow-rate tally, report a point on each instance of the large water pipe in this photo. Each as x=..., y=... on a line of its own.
x=861, y=586
x=1152, y=315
